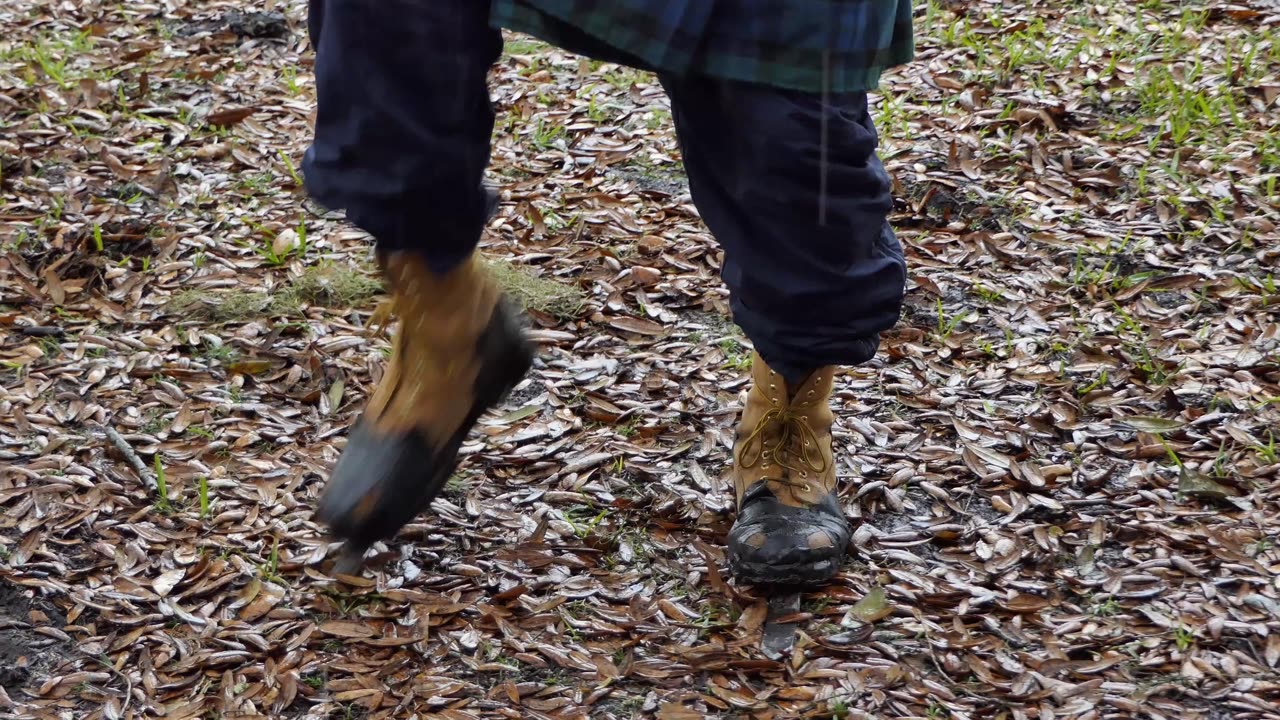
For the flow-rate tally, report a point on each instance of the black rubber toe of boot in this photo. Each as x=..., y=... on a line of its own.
x=774, y=543
x=382, y=481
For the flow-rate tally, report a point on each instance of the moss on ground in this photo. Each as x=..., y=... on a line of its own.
x=340, y=286
x=537, y=292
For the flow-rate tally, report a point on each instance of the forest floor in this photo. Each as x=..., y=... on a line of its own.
x=1062, y=467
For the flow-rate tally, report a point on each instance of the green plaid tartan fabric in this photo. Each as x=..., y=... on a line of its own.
x=806, y=45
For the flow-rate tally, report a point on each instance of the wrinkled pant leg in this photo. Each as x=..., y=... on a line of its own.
x=814, y=271
x=403, y=121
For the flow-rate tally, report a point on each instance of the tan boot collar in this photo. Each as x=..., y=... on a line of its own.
x=814, y=391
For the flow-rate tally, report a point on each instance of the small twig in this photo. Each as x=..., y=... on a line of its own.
x=41, y=331
x=123, y=446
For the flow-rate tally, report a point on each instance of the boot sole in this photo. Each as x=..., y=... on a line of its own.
x=807, y=573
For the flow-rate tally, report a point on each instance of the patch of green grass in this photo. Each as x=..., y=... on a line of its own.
x=200, y=431
x=224, y=305
x=1106, y=608
x=326, y=284
x=329, y=284
x=220, y=353
x=455, y=487
x=892, y=117
x=203, y=490
x=555, y=222
x=267, y=249
x=582, y=521
x=289, y=76
x=546, y=134
x=947, y=325
x=628, y=429
x=348, y=711
x=736, y=356
x=50, y=346
x=578, y=609
x=1137, y=347
x=162, y=487
x=816, y=605
x=1187, y=113
x=1268, y=452
x=155, y=422
x=1264, y=287
x=523, y=46
x=536, y=292
x=599, y=112
x=53, y=54
x=1098, y=382
x=1183, y=637
x=987, y=294
x=347, y=603
x=1255, y=549
x=297, y=180
x=257, y=182
x=716, y=612
x=269, y=569
x=622, y=78
x=657, y=119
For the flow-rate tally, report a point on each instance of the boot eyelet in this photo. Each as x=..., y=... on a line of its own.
x=766, y=465
x=773, y=386
x=804, y=474
x=810, y=393
x=807, y=487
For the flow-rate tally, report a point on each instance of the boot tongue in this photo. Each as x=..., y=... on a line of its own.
x=795, y=382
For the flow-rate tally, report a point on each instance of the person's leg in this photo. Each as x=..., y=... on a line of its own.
x=790, y=186
x=402, y=135
x=403, y=121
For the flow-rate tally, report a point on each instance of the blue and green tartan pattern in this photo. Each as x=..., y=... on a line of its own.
x=805, y=45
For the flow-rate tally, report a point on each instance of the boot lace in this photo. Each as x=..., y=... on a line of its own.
x=801, y=457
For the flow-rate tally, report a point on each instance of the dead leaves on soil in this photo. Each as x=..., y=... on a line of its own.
x=1063, y=466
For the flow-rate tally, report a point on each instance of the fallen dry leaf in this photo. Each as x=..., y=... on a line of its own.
x=229, y=117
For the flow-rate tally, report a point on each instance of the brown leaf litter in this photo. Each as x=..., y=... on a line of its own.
x=1063, y=465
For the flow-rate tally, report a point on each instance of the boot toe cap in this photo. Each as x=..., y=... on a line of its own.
x=776, y=543
x=380, y=482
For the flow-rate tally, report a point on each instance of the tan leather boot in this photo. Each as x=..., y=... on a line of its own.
x=458, y=351
x=790, y=528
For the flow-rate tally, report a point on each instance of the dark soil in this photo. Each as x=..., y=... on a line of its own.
x=26, y=655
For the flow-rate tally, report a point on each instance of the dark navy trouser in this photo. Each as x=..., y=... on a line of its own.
x=402, y=139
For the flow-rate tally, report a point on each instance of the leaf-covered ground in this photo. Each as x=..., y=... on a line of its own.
x=1062, y=466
